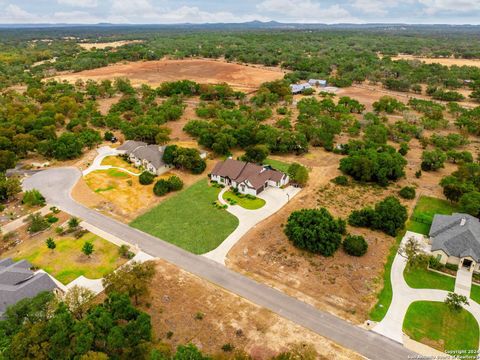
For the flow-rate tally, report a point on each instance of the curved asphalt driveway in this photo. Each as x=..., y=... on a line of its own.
x=56, y=185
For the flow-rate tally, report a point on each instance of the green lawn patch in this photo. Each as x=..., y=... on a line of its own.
x=189, y=219
x=277, y=165
x=67, y=262
x=117, y=173
x=419, y=278
x=243, y=201
x=108, y=188
x=435, y=325
x=384, y=298
x=425, y=210
x=475, y=293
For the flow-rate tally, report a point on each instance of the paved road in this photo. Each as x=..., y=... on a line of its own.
x=56, y=184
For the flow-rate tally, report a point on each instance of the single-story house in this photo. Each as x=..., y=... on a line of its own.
x=299, y=88
x=150, y=157
x=18, y=282
x=247, y=177
x=455, y=239
x=317, y=82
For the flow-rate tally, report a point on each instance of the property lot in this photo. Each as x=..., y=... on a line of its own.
x=189, y=219
x=66, y=262
x=240, y=77
x=424, y=211
x=187, y=309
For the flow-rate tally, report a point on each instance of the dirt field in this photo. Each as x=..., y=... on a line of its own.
x=179, y=296
x=241, y=77
x=114, y=44
x=442, y=61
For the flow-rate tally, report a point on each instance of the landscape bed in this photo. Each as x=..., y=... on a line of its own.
x=189, y=219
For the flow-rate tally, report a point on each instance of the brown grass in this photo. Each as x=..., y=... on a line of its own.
x=443, y=61
x=178, y=296
x=241, y=77
x=104, y=45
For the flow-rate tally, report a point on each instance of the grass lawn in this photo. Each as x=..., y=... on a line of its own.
x=249, y=204
x=67, y=262
x=117, y=161
x=189, y=220
x=435, y=325
x=425, y=209
x=385, y=295
x=117, y=173
x=426, y=279
x=475, y=293
x=278, y=165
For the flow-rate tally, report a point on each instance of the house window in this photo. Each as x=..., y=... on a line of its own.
x=439, y=257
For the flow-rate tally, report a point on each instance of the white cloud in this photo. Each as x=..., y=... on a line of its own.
x=15, y=14
x=458, y=6
x=378, y=7
x=79, y=3
x=306, y=11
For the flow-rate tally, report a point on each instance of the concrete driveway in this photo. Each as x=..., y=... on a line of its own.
x=56, y=184
x=275, y=199
x=103, y=152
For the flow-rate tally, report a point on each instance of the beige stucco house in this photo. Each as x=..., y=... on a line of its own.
x=455, y=239
x=150, y=157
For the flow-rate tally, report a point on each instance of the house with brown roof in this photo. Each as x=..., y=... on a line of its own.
x=248, y=178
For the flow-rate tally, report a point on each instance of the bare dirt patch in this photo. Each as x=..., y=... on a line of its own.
x=179, y=296
x=443, y=61
x=104, y=45
x=240, y=77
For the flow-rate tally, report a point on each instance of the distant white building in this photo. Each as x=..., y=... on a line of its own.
x=150, y=157
x=317, y=82
x=299, y=88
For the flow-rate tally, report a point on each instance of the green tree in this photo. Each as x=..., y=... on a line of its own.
x=256, y=154
x=455, y=301
x=33, y=198
x=161, y=187
x=315, y=230
x=8, y=159
x=133, y=279
x=88, y=248
x=146, y=178
x=355, y=245
x=433, y=160
x=37, y=223
x=51, y=243
x=9, y=187
x=407, y=192
x=298, y=174
x=470, y=203
x=73, y=223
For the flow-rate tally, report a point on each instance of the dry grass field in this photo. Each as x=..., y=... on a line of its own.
x=240, y=77
x=178, y=297
x=104, y=45
x=442, y=61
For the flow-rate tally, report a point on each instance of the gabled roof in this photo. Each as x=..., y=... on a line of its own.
x=18, y=282
x=457, y=235
x=241, y=171
x=130, y=145
x=151, y=153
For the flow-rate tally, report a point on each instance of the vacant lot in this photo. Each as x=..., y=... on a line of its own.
x=442, y=61
x=67, y=262
x=435, y=325
x=179, y=296
x=241, y=77
x=189, y=219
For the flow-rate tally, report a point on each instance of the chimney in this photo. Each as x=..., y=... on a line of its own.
x=463, y=221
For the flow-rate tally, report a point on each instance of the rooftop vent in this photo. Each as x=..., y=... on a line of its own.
x=463, y=221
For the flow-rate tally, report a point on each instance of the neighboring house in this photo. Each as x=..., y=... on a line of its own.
x=150, y=157
x=248, y=178
x=455, y=239
x=317, y=82
x=299, y=88
x=18, y=282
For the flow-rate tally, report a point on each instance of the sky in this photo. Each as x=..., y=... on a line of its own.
x=214, y=11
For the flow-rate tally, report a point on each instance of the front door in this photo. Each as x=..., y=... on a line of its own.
x=467, y=263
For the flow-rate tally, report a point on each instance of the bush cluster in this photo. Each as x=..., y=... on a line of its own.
x=164, y=186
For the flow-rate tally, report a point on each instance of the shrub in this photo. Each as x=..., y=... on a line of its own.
x=161, y=187
x=228, y=347
x=355, y=245
x=52, y=219
x=298, y=174
x=37, y=223
x=124, y=251
x=146, y=178
x=33, y=198
x=340, y=180
x=418, y=174
x=403, y=149
x=174, y=183
x=315, y=230
x=434, y=263
x=108, y=136
x=433, y=160
x=407, y=192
